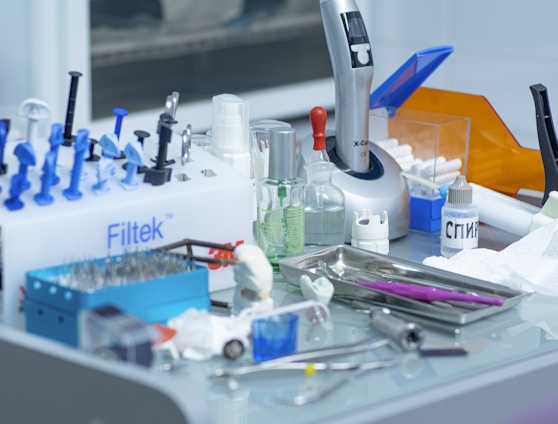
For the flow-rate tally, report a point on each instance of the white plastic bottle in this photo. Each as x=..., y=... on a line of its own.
x=460, y=219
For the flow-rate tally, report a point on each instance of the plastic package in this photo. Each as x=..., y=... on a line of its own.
x=108, y=332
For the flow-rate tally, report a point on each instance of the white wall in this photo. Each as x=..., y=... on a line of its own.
x=500, y=49
x=41, y=41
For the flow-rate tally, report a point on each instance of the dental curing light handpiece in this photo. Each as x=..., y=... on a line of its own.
x=351, y=58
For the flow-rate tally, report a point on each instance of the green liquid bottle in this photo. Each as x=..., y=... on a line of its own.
x=280, y=199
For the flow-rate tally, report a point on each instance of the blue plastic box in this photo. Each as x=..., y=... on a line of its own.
x=426, y=213
x=52, y=309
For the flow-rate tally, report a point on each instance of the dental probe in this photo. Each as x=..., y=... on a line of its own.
x=367, y=306
x=308, y=367
x=308, y=356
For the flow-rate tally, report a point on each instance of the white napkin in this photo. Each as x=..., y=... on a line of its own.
x=530, y=264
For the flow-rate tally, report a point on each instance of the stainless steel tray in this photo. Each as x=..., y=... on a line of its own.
x=343, y=265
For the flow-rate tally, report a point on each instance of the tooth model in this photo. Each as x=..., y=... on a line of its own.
x=254, y=280
x=320, y=289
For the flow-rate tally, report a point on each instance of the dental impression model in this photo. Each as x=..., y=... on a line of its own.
x=254, y=280
x=321, y=289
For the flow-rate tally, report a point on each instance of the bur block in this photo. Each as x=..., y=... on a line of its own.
x=426, y=213
x=52, y=309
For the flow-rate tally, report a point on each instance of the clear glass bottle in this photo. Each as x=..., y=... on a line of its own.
x=280, y=199
x=460, y=219
x=324, y=207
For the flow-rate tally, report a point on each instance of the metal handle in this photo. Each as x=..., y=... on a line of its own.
x=407, y=335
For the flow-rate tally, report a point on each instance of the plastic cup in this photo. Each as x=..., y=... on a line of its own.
x=274, y=336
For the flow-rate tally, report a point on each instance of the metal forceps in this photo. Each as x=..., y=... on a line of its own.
x=188, y=243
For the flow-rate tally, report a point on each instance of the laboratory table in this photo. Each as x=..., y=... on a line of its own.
x=508, y=376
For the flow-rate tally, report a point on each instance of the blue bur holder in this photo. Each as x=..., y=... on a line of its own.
x=44, y=197
x=81, y=147
x=52, y=309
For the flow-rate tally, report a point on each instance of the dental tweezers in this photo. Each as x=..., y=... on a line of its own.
x=428, y=294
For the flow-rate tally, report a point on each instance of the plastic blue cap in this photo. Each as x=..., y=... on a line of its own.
x=443, y=189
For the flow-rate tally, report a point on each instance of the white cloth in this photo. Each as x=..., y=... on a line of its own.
x=530, y=264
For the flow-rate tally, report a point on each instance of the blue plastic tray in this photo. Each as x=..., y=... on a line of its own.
x=52, y=310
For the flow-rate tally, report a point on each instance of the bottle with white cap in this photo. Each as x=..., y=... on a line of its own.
x=280, y=199
x=230, y=135
x=460, y=219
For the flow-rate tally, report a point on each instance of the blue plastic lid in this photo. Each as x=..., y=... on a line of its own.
x=403, y=82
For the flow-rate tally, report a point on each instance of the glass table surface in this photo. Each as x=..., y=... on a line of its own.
x=501, y=340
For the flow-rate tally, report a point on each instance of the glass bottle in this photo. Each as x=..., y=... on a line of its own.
x=280, y=199
x=460, y=219
x=324, y=206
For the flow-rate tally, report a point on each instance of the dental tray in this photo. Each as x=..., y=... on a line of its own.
x=343, y=265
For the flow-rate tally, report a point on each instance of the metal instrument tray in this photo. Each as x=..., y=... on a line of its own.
x=343, y=265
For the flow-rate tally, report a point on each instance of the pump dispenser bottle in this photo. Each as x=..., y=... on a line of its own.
x=460, y=219
x=230, y=137
x=280, y=199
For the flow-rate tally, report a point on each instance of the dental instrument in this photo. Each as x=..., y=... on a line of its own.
x=307, y=367
x=305, y=356
x=428, y=294
x=548, y=144
x=367, y=175
x=320, y=392
x=186, y=145
x=71, y=107
x=406, y=335
x=367, y=306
